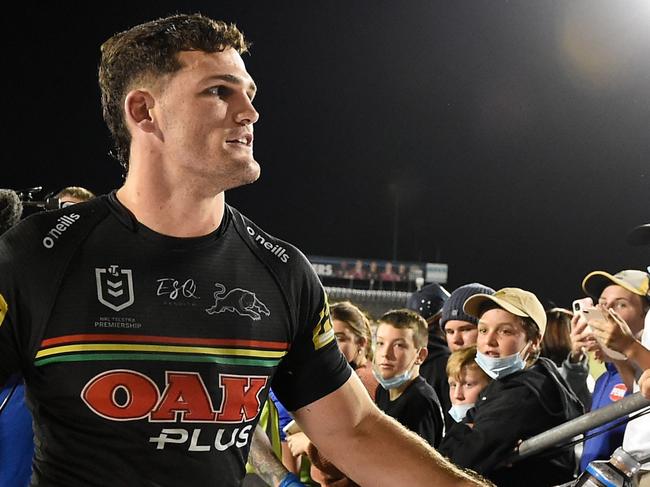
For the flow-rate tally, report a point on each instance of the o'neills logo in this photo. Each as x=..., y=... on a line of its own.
x=277, y=250
x=63, y=223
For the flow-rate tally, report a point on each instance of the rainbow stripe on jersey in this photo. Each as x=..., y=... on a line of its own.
x=227, y=351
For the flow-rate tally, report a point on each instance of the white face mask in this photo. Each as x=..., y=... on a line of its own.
x=499, y=367
x=459, y=411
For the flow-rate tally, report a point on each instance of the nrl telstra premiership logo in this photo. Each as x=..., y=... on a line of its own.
x=115, y=287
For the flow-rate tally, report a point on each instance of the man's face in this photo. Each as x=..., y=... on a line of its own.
x=500, y=333
x=628, y=305
x=466, y=388
x=460, y=334
x=205, y=116
x=396, y=351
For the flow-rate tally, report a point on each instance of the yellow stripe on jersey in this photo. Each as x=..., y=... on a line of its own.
x=3, y=308
x=323, y=331
x=127, y=347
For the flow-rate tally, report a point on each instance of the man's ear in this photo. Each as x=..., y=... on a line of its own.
x=422, y=355
x=137, y=109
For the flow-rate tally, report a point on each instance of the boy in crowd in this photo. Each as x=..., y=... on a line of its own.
x=460, y=328
x=466, y=381
x=401, y=348
x=428, y=303
x=527, y=396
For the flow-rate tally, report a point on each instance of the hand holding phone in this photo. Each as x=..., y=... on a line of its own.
x=291, y=428
x=588, y=312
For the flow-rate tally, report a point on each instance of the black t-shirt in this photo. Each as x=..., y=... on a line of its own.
x=417, y=408
x=147, y=358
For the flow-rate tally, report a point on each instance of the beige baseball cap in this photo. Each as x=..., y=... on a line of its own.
x=637, y=282
x=514, y=300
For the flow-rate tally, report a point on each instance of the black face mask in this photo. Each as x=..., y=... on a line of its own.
x=353, y=365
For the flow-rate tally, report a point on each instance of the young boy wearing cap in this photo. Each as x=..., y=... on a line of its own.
x=526, y=397
x=624, y=297
x=460, y=328
x=401, y=347
x=428, y=302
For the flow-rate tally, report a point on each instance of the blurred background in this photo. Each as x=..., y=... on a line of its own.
x=509, y=140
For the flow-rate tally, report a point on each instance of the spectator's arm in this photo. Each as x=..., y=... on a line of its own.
x=358, y=438
x=576, y=376
x=580, y=340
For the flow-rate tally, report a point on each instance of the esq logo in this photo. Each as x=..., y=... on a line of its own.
x=127, y=395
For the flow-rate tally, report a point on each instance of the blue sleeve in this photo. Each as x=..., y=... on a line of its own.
x=285, y=416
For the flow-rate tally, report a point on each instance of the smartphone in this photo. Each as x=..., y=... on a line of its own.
x=585, y=307
x=593, y=314
x=580, y=304
x=291, y=428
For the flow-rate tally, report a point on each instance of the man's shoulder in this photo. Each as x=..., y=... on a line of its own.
x=275, y=252
x=44, y=234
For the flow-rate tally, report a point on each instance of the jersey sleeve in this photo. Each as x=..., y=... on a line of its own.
x=9, y=343
x=15, y=332
x=314, y=366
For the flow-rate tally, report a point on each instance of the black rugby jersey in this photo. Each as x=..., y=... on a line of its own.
x=147, y=358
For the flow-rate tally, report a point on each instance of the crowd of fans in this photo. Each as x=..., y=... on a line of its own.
x=511, y=369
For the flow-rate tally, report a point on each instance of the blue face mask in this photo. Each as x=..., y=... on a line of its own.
x=499, y=367
x=458, y=411
x=395, y=381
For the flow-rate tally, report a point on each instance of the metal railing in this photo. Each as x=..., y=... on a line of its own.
x=560, y=434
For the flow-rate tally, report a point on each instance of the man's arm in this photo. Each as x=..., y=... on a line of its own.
x=267, y=465
x=358, y=438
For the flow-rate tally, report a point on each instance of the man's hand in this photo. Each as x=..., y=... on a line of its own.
x=371, y=448
x=298, y=443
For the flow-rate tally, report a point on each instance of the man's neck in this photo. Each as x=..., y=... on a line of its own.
x=175, y=212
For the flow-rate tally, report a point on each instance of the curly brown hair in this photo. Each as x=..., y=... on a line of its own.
x=147, y=52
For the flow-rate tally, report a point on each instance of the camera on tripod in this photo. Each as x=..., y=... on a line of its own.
x=49, y=202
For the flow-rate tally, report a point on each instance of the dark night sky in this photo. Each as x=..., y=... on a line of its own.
x=516, y=133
